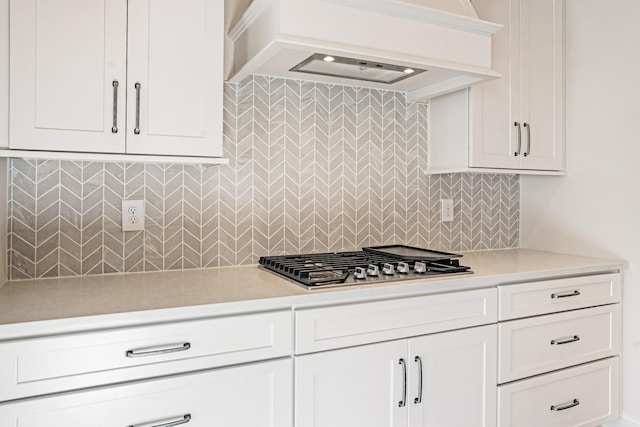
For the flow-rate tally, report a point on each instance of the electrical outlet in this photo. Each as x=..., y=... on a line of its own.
x=447, y=210
x=132, y=215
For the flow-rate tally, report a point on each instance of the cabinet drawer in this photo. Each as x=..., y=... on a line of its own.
x=530, y=299
x=540, y=344
x=320, y=329
x=584, y=396
x=66, y=362
x=214, y=398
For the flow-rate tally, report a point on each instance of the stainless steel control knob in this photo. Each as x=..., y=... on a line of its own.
x=403, y=268
x=373, y=270
x=360, y=273
x=388, y=269
x=420, y=267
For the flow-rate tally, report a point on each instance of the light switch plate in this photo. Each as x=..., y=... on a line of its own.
x=132, y=215
x=447, y=210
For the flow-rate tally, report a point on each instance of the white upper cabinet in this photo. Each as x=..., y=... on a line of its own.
x=514, y=124
x=111, y=76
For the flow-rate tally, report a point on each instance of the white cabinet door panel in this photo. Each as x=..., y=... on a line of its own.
x=360, y=386
x=174, y=59
x=65, y=56
x=458, y=378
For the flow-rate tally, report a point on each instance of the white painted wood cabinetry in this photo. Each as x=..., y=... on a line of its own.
x=558, y=352
x=252, y=395
x=445, y=378
x=106, y=364
x=111, y=76
x=514, y=124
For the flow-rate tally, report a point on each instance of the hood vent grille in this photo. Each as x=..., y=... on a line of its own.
x=356, y=69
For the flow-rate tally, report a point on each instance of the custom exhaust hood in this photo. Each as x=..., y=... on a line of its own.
x=422, y=47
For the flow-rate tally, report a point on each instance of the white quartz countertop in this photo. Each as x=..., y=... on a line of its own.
x=49, y=306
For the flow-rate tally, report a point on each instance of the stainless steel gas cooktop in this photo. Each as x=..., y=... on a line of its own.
x=371, y=265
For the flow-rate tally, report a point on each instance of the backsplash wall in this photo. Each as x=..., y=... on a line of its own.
x=313, y=168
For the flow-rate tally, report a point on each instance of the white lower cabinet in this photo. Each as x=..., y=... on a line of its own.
x=445, y=379
x=257, y=395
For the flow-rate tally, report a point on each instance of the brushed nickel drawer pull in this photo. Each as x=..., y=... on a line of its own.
x=565, y=294
x=563, y=406
x=528, y=126
x=561, y=341
x=403, y=402
x=517, y=153
x=137, y=353
x=185, y=419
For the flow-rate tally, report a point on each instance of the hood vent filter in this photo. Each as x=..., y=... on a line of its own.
x=356, y=69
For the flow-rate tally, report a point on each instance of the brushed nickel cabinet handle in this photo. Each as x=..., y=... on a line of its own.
x=567, y=340
x=403, y=402
x=136, y=130
x=517, y=153
x=184, y=420
x=419, y=398
x=528, y=126
x=565, y=294
x=563, y=406
x=114, y=127
x=140, y=353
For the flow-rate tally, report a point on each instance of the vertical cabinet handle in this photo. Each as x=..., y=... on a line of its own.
x=563, y=406
x=418, y=399
x=403, y=402
x=184, y=420
x=114, y=127
x=528, y=126
x=136, y=130
x=517, y=153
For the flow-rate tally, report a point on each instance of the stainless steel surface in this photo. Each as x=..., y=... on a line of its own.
x=517, y=153
x=114, y=127
x=146, y=353
x=418, y=399
x=563, y=406
x=403, y=402
x=566, y=340
x=565, y=294
x=184, y=420
x=528, y=126
x=136, y=130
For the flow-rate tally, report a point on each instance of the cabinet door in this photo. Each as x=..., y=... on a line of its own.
x=542, y=70
x=457, y=373
x=214, y=398
x=493, y=136
x=360, y=386
x=65, y=56
x=175, y=77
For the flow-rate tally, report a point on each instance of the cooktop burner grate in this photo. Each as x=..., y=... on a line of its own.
x=359, y=267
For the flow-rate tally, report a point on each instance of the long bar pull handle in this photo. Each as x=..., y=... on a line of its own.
x=114, y=127
x=419, y=398
x=403, y=402
x=517, y=153
x=136, y=130
x=567, y=340
x=138, y=353
x=563, y=406
x=565, y=294
x=528, y=126
x=184, y=420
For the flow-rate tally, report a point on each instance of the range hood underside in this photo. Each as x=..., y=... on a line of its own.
x=275, y=35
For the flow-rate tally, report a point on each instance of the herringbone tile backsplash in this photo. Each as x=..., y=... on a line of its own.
x=313, y=168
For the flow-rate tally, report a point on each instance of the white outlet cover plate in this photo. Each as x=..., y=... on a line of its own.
x=128, y=221
x=447, y=210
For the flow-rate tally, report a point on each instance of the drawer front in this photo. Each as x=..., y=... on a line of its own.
x=213, y=398
x=533, y=346
x=327, y=328
x=551, y=296
x=585, y=396
x=66, y=362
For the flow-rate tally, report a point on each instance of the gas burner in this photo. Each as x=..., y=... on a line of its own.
x=371, y=265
